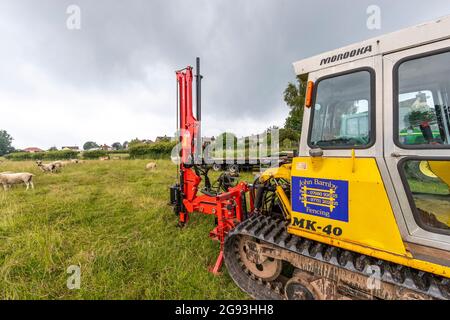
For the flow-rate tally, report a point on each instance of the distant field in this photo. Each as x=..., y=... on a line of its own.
x=110, y=218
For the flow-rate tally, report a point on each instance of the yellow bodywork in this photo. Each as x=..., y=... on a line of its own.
x=370, y=229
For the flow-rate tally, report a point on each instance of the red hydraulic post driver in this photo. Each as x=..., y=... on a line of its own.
x=229, y=203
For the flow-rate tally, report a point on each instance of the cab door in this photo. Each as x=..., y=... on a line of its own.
x=337, y=183
x=416, y=104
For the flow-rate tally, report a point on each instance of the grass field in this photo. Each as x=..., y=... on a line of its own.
x=111, y=218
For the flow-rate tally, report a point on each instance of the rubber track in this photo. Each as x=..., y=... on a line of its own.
x=273, y=231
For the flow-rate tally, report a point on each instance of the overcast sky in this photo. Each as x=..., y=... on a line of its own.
x=113, y=79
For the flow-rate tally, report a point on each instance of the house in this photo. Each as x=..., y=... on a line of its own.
x=105, y=147
x=72, y=148
x=32, y=150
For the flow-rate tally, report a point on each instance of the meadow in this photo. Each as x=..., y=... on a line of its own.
x=110, y=218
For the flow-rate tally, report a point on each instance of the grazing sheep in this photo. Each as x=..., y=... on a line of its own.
x=104, y=158
x=8, y=179
x=59, y=164
x=150, y=166
x=51, y=167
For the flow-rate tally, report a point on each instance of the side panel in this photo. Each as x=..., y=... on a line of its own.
x=344, y=199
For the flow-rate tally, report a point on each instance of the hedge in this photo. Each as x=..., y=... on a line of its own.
x=49, y=155
x=154, y=151
x=94, y=154
x=118, y=151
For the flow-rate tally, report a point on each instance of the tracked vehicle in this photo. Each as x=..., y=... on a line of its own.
x=364, y=211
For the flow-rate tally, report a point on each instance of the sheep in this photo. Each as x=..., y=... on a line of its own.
x=59, y=164
x=104, y=158
x=68, y=162
x=8, y=179
x=150, y=166
x=45, y=167
x=51, y=167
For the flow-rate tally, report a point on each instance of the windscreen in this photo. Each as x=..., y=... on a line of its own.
x=342, y=111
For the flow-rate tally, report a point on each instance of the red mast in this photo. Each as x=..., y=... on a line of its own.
x=229, y=207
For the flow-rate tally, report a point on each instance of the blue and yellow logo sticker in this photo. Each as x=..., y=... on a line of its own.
x=320, y=197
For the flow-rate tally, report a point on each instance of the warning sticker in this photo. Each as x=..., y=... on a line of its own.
x=320, y=197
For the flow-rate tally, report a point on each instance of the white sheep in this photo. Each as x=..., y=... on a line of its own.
x=150, y=166
x=51, y=167
x=59, y=164
x=8, y=179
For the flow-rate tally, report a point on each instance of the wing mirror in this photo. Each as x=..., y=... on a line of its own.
x=316, y=152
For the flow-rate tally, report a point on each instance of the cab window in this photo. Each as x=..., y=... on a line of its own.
x=423, y=113
x=428, y=184
x=342, y=113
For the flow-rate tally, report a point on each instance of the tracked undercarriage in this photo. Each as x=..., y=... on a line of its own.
x=268, y=263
